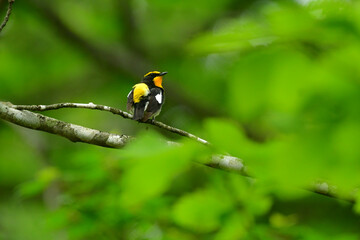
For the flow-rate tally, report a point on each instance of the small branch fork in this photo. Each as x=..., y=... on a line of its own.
x=21, y=115
x=8, y=12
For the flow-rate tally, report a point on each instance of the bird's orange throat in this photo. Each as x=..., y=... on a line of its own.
x=158, y=81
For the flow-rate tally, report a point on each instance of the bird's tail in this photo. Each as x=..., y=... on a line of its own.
x=139, y=109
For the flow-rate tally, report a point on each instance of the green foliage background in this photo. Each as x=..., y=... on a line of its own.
x=275, y=83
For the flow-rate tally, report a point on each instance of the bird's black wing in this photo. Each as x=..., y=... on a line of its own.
x=156, y=100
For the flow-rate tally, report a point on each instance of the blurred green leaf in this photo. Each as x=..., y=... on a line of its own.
x=149, y=172
x=225, y=135
x=201, y=211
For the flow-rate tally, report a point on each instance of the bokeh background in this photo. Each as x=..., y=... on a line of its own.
x=276, y=83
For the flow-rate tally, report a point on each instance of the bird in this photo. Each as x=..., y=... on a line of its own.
x=147, y=97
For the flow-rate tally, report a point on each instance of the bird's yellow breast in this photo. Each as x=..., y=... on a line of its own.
x=140, y=90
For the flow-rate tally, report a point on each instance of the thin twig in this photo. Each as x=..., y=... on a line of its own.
x=112, y=110
x=6, y=19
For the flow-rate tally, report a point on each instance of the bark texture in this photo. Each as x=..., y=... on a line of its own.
x=74, y=133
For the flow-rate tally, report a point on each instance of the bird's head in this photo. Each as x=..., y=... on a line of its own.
x=154, y=78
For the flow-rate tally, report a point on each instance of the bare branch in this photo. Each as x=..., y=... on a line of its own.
x=108, y=109
x=19, y=115
x=228, y=163
x=76, y=133
x=70, y=131
x=8, y=12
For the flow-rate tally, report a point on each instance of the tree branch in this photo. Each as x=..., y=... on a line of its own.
x=20, y=115
x=8, y=12
x=74, y=133
x=108, y=109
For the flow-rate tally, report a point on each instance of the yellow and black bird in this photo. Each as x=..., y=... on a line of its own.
x=146, y=98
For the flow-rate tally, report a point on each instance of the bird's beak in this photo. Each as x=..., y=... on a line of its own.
x=163, y=73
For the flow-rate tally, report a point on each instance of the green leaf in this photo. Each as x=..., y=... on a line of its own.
x=201, y=211
x=149, y=165
x=225, y=135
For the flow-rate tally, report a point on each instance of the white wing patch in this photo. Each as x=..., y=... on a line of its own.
x=129, y=93
x=146, y=105
x=158, y=98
